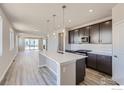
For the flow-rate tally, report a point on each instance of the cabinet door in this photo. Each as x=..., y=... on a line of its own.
x=109, y=65
x=71, y=37
x=106, y=32
x=81, y=34
x=91, y=61
x=76, y=36
x=86, y=30
x=94, y=34
x=80, y=71
x=104, y=64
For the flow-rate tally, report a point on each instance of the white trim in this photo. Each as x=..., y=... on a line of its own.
x=91, y=23
x=4, y=73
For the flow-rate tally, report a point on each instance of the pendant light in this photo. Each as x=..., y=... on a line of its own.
x=54, y=27
x=48, y=28
x=63, y=21
x=61, y=47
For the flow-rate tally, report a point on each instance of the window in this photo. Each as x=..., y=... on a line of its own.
x=11, y=39
x=31, y=44
x=1, y=36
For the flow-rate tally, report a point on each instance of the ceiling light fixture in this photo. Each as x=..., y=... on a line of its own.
x=90, y=10
x=69, y=20
x=63, y=7
x=58, y=26
x=35, y=30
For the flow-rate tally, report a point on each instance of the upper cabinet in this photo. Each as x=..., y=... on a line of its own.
x=94, y=34
x=83, y=32
x=71, y=37
x=100, y=33
x=106, y=32
x=76, y=36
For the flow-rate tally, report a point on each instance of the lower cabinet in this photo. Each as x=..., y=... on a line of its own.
x=91, y=61
x=80, y=71
x=104, y=64
x=101, y=63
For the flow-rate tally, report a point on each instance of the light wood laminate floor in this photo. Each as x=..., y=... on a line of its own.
x=25, y=71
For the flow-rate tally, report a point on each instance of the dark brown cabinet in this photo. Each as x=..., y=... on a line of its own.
x=106, y=32
x=100, y=33
x=91, y=61
x=104, y=64
x=101, y=63
x=84, y=31
x=94, y=34
x=76, y=36
x=80, y=71
x=71, y=37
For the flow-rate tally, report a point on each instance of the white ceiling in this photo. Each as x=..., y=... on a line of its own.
x=32, y=17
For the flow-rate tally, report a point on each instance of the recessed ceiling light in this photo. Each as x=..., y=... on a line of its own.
x=107, y=22
x=69, y=21
x=76, y=30
x=58, y=26
x=90, y=10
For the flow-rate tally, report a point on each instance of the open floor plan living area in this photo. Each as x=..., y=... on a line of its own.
x=62, y=44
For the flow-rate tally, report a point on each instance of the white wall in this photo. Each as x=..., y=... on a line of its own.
x=21, y=46
x=53, y=41
x=94, y=47
x=7, y=55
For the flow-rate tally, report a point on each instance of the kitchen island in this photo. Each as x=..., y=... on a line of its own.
x=68, y=68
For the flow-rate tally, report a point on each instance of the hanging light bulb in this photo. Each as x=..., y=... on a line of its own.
x=63, y=7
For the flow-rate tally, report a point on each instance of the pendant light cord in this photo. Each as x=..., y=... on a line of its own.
x=54, y=21
x=63, y=7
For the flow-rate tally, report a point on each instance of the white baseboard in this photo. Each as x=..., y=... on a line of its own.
x=4, y=73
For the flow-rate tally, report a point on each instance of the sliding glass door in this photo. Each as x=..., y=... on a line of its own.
x=31, y=44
